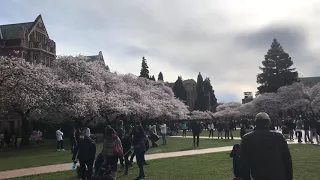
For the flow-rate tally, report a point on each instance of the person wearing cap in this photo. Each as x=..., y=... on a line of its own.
x=264, y=153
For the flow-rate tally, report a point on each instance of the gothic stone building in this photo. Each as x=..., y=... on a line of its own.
x=31, y=39
x=98, y=57
x=190, y=86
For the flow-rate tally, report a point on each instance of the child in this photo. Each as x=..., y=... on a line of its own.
x=285, y=131
x=98, y=164
x=235, y=155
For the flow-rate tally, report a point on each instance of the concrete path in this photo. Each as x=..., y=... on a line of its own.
x=67, y=166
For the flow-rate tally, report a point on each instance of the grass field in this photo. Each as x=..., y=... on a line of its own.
x=218, y=166
x=205, y=133
x=47, y=154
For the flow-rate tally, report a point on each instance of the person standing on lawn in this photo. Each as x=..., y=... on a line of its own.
x=163, y=130
x=232, y=128
x=196, y=130
x=210, y=128
x=87, y=131
x=306, y=130
x=299, y=127
x=126, y=145
x=109, y=153
x=184, y=129
x=86, y=151
x=139, y=147
x=264, y=153
x=59, y=135
x=72, y=139
x=226, y=130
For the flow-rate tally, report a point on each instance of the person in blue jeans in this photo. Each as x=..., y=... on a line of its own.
x=163, y=130
x=139, y=147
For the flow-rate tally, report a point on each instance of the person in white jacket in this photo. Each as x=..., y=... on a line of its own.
x=59, y=135
x=87, y=131
x=211, y=129
x=163, y=130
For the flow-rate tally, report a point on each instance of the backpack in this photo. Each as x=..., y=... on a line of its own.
x=118, y=148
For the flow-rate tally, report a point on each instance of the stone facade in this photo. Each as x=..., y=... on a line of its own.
x=190, y=86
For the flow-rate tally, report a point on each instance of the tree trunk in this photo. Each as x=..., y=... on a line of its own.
x=25, y=131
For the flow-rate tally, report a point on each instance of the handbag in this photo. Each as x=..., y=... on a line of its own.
x=118, y=148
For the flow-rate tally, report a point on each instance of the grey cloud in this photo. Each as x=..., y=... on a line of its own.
x=188, y=35
x=291, y=36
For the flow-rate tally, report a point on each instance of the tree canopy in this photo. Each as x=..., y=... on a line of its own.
x=160, y=77
x=144, y=72
x=277, y=70
x=200, y=103
x=179, y=90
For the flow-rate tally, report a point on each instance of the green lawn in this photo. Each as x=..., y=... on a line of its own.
x=205, y=133
x=47, y=154
x=306, y=160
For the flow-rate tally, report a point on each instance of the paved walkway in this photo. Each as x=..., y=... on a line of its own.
x=67, y=166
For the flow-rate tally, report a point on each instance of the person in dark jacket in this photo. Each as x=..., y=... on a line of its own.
x=120, y=132
x=306, y=128
x=98, y=165
x=196, y=130
x=265, y=154
x=126, y=145
x=86, y=151
x=235, y=155
x=72, y=139
x=139, y=147
x=318, y=127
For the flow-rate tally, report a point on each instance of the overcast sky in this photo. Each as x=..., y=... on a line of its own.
x=225, y=40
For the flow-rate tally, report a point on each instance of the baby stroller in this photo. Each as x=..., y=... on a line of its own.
x=169, y=132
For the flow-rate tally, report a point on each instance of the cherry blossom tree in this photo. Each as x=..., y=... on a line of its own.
x=294, y=97
x=24, y=89
x=229, y=105
x=200, y=115
x=314, y=94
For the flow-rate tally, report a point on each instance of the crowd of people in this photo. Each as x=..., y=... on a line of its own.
x=121, y=143
x=124, y=142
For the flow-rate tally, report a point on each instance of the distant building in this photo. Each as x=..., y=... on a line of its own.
x=309, y=81
x=31, y=39
x=247, y=97
x=98, y=57
x=190, y=86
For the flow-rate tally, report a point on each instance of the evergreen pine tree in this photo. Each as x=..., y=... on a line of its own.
x=152, y=78
x=200, y=103
x=179, y=90
x=160, y=77
x=276, y=70
x=144, y=68
x=210, y=92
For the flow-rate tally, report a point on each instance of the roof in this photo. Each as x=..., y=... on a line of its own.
x=309, y=81
x=190, y=81
x=11, y=31
x=92, y=58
